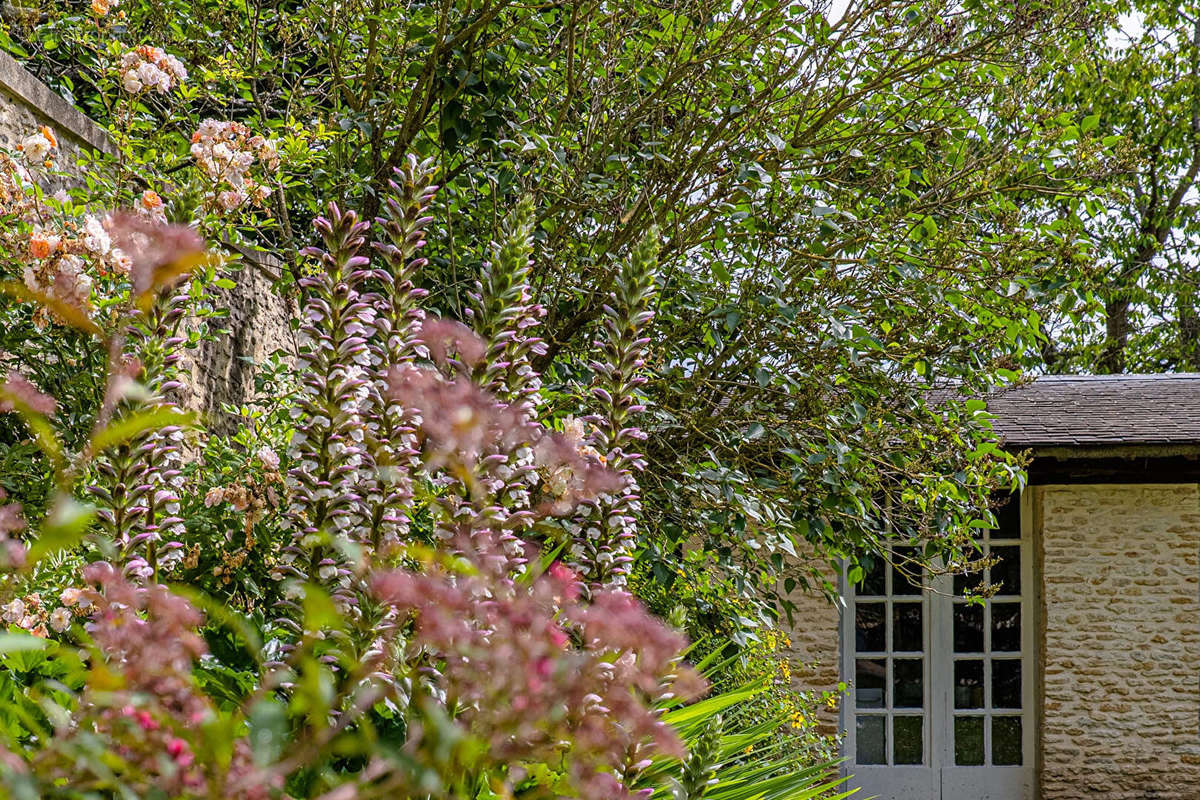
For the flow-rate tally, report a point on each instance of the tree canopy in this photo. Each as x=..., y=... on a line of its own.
x=855, y=209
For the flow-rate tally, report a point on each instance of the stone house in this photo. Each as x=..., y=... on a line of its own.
x=1080, y=678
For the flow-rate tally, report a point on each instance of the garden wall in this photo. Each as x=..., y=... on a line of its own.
x=222, y=370
x=259, y=318
x=1121, y=642
x=26, y=103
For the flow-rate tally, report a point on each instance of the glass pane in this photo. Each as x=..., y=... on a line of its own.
x=1006, y=684
x=1006, y=627
x=870, y=678
x=968, y=628
x=969, y=580
x=968, y=741
x=869, y=633
x=907, y=632
x=870, y=739
x=968, y=684
x=907, y=680
x=1007, y=571
x=874, y=574
x=1006, y=741
x=901, y=585
x=965, y=581
x=910, y=740
x=1008, y=518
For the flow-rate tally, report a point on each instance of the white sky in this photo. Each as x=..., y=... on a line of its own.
x=836, y=9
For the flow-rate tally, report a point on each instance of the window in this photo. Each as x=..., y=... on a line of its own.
x=940, y=704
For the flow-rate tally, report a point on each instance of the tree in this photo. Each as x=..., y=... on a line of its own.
x=1136, y=307
x=844, y=206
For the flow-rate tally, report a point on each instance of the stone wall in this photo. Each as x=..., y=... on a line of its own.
x=259, y=317
x=26, y=103
x=814, y=650
x=1121, y=646
x=258, y=324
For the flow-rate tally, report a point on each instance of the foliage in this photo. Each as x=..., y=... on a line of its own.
x=1134, y=306
x=850, y=211
x=407, y=636
x=851, y=208
x=742, y=745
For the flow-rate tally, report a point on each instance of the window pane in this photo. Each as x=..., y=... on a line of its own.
x=870, y=738
x=1006, y=684
x=969, y=580
x=873, y=577
x=869, y=633
x=1008, y=518
x=907, y=682
x=904, y=585
x=965, y=581
x=1007, y=571
x=968, y=741
x=900, y=583
x=968, y=684
x=968, y=628
x=1006, y=741
x=910, y=740
x=870, y=677
x=907, y=632
x=1006, y=627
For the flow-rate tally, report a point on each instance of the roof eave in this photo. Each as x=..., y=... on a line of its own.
x=1100, y=450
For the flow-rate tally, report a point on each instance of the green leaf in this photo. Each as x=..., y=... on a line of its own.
x=62, y=529
x=21, y=643
x=123, y=430
x=268, y=724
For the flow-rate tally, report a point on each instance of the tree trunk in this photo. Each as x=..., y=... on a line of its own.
x=1189, y=331
x=1116, y=335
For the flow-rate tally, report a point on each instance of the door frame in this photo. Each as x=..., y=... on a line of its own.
x=1021, y=783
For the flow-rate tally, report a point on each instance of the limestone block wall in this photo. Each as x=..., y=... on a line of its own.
x=222, y=370
x=1121, y=642
x=26, y=103
x=814, y=650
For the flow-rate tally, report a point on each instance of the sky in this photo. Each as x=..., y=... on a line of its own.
x=836, y=9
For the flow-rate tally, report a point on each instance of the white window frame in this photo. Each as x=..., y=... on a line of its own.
x=939, y=778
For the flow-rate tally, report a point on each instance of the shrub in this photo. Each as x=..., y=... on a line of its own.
x=417, y=632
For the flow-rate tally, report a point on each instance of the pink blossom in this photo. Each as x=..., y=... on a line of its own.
x=446, y=338
x=158, y=253
x=18, y=391
x=60, y=619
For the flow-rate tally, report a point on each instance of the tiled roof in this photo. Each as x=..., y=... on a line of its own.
x=1099, y=410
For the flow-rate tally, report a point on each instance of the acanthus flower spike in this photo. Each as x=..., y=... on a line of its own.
x=605, y=534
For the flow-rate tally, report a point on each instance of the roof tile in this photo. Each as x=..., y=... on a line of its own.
x=1082, y=410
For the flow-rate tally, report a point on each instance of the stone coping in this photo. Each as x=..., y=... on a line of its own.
x=47, y=103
